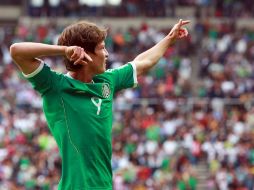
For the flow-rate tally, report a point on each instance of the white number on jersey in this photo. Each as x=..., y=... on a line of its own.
x=97, y=102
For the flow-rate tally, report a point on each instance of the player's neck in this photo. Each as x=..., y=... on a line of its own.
x=82, y=76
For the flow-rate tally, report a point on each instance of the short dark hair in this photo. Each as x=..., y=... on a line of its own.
x=83, y=34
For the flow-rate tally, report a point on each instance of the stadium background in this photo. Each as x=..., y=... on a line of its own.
x=190, y=123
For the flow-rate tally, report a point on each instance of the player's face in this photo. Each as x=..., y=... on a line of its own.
x=99, y=58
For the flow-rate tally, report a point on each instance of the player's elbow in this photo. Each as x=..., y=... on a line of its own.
x=14, y=50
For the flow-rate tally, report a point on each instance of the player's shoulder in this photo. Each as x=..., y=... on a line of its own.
x=107, y=75
x=125, y=66
x=111, y=72
x=49, y=68
x=43, y=71
x=56, y=74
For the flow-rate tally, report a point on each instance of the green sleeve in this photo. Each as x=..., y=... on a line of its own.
x=43, y=79
x=125, y=76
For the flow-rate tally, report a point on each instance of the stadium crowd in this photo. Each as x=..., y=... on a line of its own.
x=132, y=8
x=162, y=130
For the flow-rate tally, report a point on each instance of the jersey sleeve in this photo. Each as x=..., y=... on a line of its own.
x=42, y=79
x=125, y=76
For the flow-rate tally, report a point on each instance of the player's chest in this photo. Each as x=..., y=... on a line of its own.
x=95, y=99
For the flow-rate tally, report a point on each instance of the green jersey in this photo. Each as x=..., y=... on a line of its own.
x=79, y=116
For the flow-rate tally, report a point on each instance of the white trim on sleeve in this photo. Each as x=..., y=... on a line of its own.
x=36, y=71
x=135, y=79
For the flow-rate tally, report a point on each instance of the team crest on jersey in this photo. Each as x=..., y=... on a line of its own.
x=105, y=90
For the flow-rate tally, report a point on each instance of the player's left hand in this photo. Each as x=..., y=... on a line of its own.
x=178, y=31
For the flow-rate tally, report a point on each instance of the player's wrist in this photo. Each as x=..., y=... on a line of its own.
x=64, y=50
x=171, y=39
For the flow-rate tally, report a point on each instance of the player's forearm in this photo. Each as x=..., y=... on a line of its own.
x=30, y=50
x=149, y=58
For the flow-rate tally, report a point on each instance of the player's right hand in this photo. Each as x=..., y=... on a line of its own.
x=77, y=55
x=178, y=31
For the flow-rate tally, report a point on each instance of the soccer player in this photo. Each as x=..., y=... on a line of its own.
x=78, y=105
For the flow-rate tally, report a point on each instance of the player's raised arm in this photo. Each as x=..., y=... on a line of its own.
x=25, y=53
x=149, y=58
